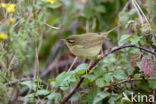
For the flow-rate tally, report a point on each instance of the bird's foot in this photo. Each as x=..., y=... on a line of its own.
x=88, y=68
x=101, y=55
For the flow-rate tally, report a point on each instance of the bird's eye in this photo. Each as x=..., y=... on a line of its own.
x=71, y=41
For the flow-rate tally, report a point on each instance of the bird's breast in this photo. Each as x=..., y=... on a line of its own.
x=88, y=53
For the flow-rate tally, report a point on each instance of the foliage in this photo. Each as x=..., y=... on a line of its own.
x=30, y=31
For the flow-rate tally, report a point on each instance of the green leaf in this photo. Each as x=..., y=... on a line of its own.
x=88, y=12
x=81, y=69
x=64, y=79
x=124, y=16
x=100, y=96
x=54, y=95
x=109, y=61
x=108, y=77
x=100, y=9
x=30, y=95
x=132, y=12
x=143, y=41
x=133, y=50
x=129, y=23
x=120, y=74
x=114, y=98
x=123, y=38
x=98, y=71
x=138, y=75
x=29, y=84
x=135, y=39
x=52, y=82
x=42, y=92
x=88, y=98
x=130, y=69
x=152, y=83
x=100, y=82
x=90, y=77
x=61, y=79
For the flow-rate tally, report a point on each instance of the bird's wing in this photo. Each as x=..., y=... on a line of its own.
x=90, y=40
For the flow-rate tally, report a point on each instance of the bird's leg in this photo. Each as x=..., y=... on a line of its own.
x=101, y=54
x=88, y=68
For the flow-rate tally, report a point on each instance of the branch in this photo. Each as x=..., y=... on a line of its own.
x=134, y=46
x=96, y=61
x=129, y=80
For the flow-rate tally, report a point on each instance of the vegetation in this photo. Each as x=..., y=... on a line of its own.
x=35, y=64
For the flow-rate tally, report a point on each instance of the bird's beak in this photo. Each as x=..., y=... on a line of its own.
x=64, y=40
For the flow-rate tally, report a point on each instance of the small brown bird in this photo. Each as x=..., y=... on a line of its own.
x=87, y=45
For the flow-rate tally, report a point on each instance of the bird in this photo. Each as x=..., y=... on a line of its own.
x=87, y=45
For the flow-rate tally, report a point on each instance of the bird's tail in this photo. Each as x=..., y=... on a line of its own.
x=105, y=34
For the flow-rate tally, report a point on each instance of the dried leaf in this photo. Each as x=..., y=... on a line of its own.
x=147, y=65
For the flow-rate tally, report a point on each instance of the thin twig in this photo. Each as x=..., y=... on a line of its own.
x=140, y=16
x=58, y=28
x=36, y=63
x=142, y=12
x=94, y=64
x=75, y=59
x=126, y=5
x=134, y=46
